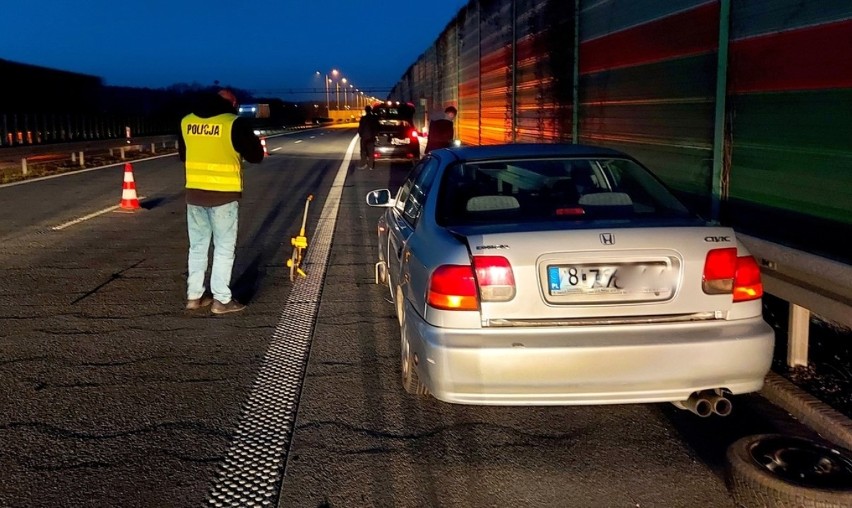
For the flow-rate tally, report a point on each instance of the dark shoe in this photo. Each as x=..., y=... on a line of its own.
x=199, y=303
x=225, y=308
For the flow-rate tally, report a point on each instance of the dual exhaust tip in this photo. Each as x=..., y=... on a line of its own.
x=707, y=402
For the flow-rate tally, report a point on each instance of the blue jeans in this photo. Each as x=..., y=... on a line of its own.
x=220, y=224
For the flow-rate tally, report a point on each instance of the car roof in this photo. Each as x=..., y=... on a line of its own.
x=532, y=150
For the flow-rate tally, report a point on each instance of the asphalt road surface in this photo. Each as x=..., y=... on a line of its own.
x=112, y=395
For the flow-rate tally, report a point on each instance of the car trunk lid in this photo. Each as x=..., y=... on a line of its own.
x=605, y=274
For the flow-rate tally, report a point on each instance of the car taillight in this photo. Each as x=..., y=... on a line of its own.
x=747, y=283
x=413, y=134
x=495, y=278
x=453, y=287
x=460, y=287
x=726, y=273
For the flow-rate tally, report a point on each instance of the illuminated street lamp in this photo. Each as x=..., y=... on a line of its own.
x=326, y=90
x=336, y=86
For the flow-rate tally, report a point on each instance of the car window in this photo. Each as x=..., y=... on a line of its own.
x=421, y=181
x=574, y=189
x=395, y=112
x=645, y=191
x=407, y=185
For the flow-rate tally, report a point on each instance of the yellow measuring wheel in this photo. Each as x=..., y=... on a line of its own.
x=299, y=243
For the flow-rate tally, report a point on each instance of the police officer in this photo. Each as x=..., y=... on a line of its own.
x=213, y=142
x=441, y=132
x=368, y=129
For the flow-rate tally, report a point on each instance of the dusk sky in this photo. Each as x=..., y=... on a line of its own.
x=264, y=47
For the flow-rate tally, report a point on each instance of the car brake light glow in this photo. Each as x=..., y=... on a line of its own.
x=452, y=287
x=575, y=210
x=413, y=134
x=726, y=273
x=495, y=278
x=747, y=283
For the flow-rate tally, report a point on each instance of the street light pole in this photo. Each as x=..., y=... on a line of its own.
x=336, y=86
x=318, y=73
x=326, y=94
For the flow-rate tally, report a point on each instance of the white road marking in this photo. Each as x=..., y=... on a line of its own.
x=297, y=141
x=276, y=149
x=90, y=216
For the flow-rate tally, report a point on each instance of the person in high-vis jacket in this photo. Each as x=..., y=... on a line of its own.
x=212, y=144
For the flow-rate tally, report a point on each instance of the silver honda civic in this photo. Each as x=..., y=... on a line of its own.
x=555, y=274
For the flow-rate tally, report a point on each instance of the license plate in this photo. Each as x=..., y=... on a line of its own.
x=398, y=141
x=654, y=278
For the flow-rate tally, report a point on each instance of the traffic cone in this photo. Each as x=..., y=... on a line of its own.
x=263, y=144
x=129, y=200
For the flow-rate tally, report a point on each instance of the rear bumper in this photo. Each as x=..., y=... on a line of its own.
x=397, y=152
x=590, y=365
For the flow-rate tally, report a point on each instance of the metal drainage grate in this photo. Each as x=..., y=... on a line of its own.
x=254, y=466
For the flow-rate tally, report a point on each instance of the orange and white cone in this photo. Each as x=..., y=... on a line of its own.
x=263, y=144
x=129, y=200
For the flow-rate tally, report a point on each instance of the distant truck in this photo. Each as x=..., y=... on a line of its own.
x=255, y=110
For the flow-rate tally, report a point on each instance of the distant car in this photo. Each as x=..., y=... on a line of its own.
x=552, y=274
x=398, y=139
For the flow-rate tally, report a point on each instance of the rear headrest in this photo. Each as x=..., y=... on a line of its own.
x=606, y=199
x=491, y=203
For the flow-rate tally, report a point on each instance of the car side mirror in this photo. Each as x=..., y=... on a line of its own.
x=380, y=197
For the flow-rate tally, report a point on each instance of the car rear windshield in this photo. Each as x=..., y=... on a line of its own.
x=573, y=189
x=400, y=112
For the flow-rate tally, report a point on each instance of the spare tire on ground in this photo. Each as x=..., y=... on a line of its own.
x=774, y=470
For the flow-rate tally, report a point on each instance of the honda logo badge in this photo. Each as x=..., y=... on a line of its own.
x=607, y=238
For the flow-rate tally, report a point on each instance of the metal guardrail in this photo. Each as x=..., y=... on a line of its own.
x=810, y=283
x=22, y=151
x=48, y=153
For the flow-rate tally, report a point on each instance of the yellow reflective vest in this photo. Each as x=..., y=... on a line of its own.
x=211, y=161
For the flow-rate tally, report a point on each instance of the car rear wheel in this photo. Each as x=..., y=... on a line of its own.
x=788, y=471
x=410, y=381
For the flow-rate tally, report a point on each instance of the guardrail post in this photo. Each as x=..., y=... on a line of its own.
x=797, y=338
x=24, y=166
x=73, y=157
x=122, y=152
x=153, y=148
x=82, y=160
x=176, y=145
